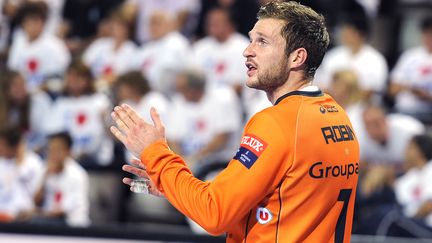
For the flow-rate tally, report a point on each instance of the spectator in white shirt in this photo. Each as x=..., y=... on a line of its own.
x=383, y=140
x=411, y=79
x=63, y=194
x=185, y=14
x=83, y=113
x=356, y=54
x=110, y=56
x=413, y=189
x=21, y=172
x=164, y=55
x=203, y=126
x=35, y=54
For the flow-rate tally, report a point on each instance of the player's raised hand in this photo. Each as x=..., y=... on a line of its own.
x=133, y=131
x=139, y=170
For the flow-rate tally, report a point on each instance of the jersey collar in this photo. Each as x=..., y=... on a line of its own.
x=311, y=91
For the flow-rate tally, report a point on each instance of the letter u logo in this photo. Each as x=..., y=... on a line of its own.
x=263, y=215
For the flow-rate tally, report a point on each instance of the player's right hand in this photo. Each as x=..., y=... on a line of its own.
x=139, y=170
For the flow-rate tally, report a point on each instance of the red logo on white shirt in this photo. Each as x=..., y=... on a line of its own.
x=220, y=68
x=32, y=65
x=81, y=118
x=107, y=70
x=253, y=143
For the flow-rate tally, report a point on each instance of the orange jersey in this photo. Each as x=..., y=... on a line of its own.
x=293, y=178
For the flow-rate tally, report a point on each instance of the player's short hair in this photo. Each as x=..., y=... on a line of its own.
x=426, y=24
x=304, y=28
x=134, y=80
x=11, y=135
x=37, y=9
x=64, y=136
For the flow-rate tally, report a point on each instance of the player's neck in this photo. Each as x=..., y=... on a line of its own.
x=288, y=87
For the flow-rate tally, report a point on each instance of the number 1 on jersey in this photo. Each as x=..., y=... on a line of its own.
x=344, y=196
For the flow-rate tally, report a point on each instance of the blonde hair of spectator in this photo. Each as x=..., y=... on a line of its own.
x=349, y=80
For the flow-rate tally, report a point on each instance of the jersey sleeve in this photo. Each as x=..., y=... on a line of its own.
x=253, y=173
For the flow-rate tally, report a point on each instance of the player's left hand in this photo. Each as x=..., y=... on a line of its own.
x=133, y=131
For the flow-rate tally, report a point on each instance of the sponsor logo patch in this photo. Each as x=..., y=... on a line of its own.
x=251, y=147
x=263, y=215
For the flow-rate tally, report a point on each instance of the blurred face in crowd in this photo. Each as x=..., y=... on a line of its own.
x=119, y=30
x=124, y=92
x=375, y=123
x=18, y=89
x=76, y=84
x=218, y=25
x=33, y=26
x=57, y=153
x=160, y=24
x=414, y=156
x=190, y=94
x=266, y=62
x=343, y=87
x=427, y=39
x=350, y=37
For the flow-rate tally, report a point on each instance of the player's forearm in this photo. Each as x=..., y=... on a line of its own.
x=188, y=194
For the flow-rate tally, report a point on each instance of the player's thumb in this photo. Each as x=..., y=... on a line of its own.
x=156, y=120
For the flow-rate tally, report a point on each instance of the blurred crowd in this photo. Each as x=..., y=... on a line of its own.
x=64, y=64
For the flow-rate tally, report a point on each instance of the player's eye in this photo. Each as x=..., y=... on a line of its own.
x=261, y=41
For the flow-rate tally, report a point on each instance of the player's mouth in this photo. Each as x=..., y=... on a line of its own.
x=251, y=68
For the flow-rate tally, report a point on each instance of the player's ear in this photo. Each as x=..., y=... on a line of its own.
x=298, y=57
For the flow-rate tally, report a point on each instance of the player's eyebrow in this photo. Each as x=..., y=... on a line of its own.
x=257, y=33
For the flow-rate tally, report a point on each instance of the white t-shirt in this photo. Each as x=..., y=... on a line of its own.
x=103, y=59
x=148, y=7
x=413, y=189
x=223, y=63
x=41, y=123
x=37, y=60
x=413, y=69
x=369, y=65
x=84, y=118
x=401, y=130
x=68, y=192
x=160, y=60
x=194, y=125
x=18, y=183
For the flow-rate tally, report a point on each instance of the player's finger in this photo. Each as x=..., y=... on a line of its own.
x=136, y=171
x=137, y=163
x=127, y=181
x=120, y=123
x=123, y=115
x=118, y=134
x=156, y=119
x=133, y=115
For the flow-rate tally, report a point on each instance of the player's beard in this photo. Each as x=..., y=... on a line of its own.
x=272, y=78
